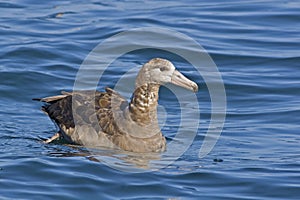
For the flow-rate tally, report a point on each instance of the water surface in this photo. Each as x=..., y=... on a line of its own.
x=255, y=45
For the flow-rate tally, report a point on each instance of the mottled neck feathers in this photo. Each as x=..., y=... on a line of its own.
x=143, y=104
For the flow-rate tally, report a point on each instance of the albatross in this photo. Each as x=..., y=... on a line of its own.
x=106, y=119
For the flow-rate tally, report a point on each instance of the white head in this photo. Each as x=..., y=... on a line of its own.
x=161, y=71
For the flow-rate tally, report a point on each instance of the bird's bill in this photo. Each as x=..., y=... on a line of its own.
x=180, y=80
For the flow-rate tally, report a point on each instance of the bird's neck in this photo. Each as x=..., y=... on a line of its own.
x=143, y=104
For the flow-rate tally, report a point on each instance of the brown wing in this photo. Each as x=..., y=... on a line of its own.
x=79, y=113
x=106, y=105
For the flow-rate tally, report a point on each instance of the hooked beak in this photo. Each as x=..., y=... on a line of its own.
x=180, y=80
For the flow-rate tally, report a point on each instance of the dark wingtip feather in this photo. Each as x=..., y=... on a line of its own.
x=36, y=99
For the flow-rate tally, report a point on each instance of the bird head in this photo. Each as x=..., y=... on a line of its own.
x=161, y=71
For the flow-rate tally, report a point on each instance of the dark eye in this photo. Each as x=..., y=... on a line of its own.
x=163, y=69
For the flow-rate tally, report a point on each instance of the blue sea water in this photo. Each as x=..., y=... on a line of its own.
x=255, y=45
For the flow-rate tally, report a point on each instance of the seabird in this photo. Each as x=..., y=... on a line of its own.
x=106, y=119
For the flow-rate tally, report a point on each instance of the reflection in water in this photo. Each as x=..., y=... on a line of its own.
x=118, y=159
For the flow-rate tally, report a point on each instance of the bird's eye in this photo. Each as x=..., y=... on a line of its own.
x=163, y=69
